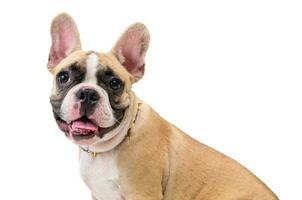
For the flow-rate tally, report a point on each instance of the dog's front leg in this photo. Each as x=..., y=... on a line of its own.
x=142, y=170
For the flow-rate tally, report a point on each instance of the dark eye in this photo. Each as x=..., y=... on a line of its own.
x=63, y=77
x=115, y=84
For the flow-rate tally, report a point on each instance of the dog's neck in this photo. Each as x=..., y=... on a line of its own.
x=118, y=134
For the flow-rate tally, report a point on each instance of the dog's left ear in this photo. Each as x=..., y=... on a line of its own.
x=131, y=49
x=65, y=39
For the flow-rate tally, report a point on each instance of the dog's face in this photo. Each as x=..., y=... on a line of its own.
x=91, y=91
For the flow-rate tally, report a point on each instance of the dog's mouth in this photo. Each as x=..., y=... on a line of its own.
x=82, y=128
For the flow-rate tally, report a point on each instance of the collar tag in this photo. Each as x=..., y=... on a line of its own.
x=91, y=153
x=94, y=154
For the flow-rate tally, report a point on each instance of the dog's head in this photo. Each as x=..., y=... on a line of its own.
x=92, y=91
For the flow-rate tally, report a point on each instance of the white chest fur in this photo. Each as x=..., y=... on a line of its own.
x=101, y=175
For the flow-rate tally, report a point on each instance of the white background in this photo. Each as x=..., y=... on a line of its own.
x=226, y=72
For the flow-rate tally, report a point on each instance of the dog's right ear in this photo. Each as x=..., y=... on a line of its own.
x=131, y=49
x=65, y=39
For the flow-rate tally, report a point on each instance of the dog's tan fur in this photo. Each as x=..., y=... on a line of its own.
x=156, y=160
x=159, y=161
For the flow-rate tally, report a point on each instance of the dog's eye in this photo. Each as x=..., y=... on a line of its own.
x=63, y=77
x=115, y=84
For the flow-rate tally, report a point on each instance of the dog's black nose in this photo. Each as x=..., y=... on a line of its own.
x=88, y=96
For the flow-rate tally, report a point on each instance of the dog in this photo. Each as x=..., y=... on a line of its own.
x=127, y=150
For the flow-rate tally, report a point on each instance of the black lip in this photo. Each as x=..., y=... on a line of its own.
x=83, y=137
x=100, y=132
x=103, y=131
x=57, y=117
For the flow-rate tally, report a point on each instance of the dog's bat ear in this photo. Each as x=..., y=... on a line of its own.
x=131, y=49
x=65, y=39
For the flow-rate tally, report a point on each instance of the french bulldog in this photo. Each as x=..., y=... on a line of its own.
x=127, y=150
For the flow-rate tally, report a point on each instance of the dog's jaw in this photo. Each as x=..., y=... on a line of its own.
x=117, y=135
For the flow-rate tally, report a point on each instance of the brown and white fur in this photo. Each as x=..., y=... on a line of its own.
x=140, y=156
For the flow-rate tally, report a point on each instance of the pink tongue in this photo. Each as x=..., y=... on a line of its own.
x=84, y=126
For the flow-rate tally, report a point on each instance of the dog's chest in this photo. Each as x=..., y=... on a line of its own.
x=101, y=175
